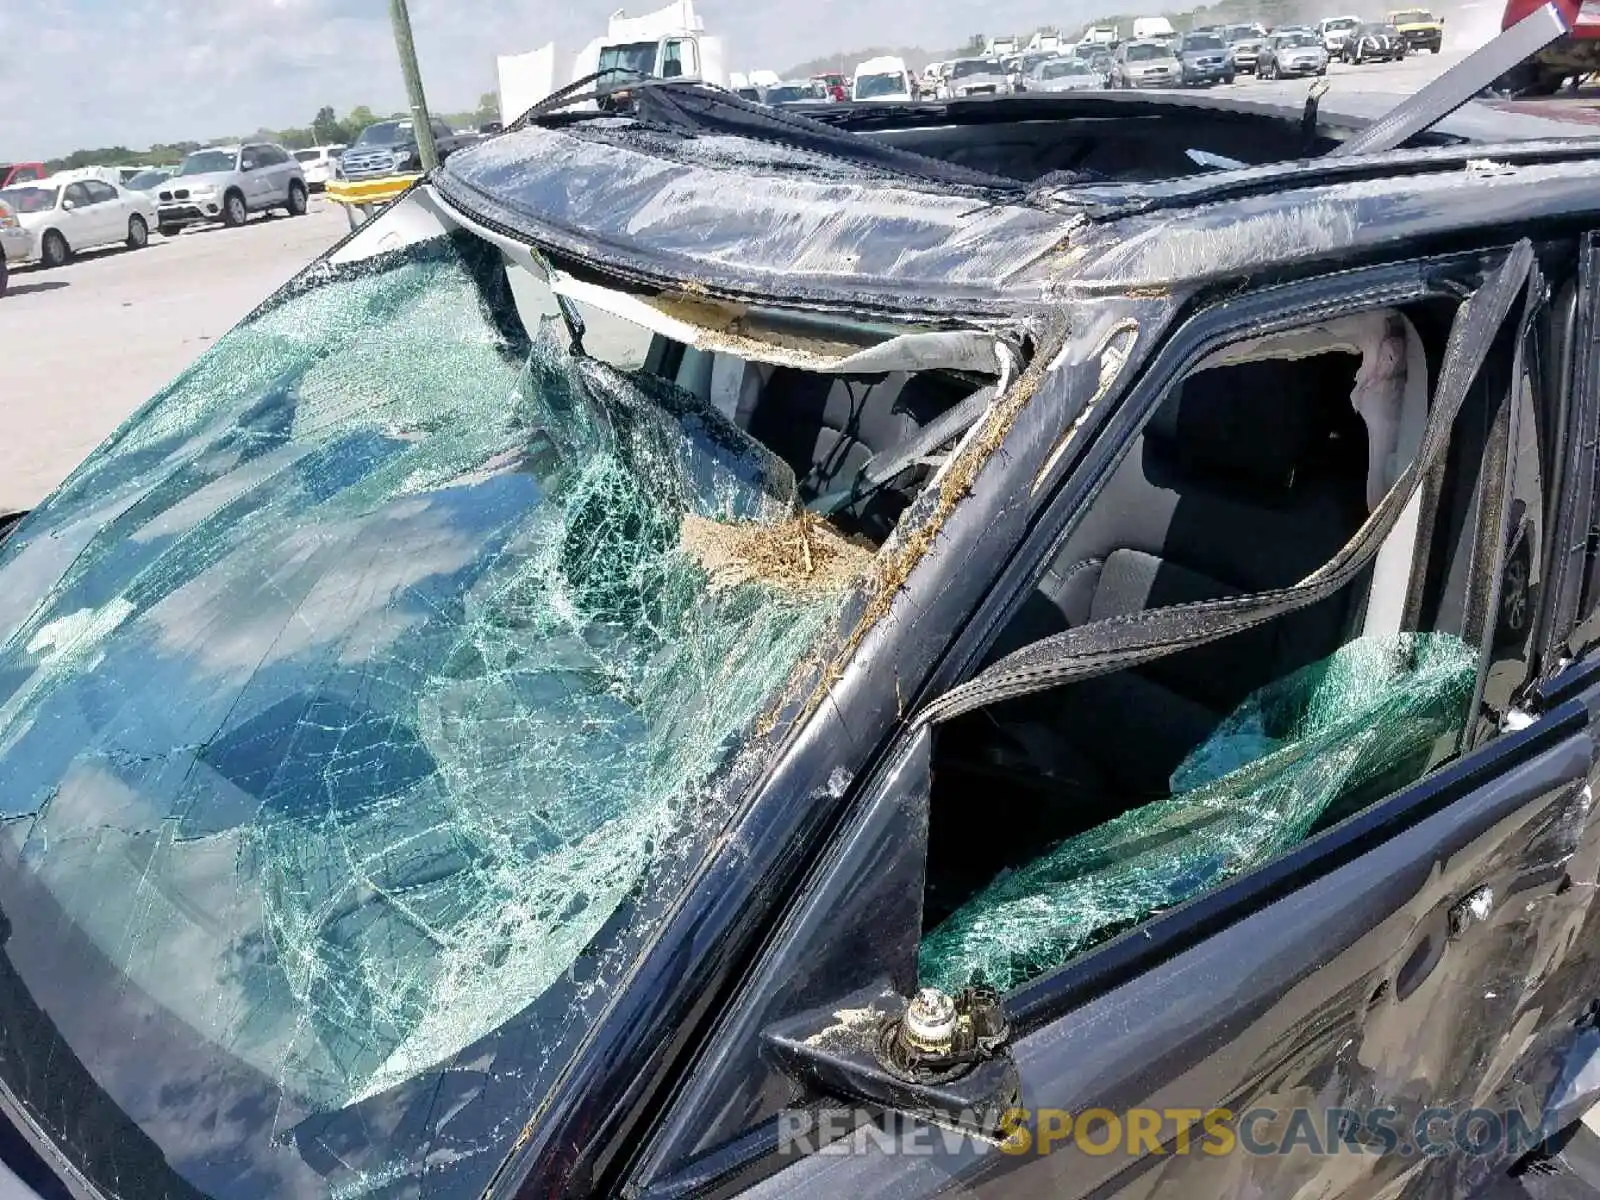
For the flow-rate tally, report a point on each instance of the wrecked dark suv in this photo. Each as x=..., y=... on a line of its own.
x=800, y=663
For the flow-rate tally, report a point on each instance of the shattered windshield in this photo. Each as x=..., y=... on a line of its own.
x=362, y=702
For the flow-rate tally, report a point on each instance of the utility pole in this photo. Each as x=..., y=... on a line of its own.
x=420, y=123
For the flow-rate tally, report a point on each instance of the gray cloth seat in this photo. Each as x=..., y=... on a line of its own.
x=827, y=427
x=1248, y=478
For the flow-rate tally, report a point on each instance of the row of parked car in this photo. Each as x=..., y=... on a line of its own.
x=48, y=218
x=1200, y=58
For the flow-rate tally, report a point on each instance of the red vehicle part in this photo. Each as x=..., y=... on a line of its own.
x=22, y=172
x=1570, y=57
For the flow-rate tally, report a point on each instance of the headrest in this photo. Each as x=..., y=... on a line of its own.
x=1263, y=420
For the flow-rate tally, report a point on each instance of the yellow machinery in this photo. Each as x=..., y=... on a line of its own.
x=362, y=198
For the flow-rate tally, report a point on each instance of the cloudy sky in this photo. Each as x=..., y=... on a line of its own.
x=87, y=73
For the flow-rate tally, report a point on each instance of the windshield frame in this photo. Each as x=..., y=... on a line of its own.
x=1413, y=16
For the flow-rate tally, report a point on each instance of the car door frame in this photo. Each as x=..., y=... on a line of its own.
x=283, y=171
x=77, y=224
x=1158, y=940
x=110, y=212
x=255, y=181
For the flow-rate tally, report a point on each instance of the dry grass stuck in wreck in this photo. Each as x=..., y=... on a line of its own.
x=803, y=553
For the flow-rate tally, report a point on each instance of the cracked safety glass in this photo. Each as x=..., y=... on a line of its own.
x=362, y=701
x=1305, y=749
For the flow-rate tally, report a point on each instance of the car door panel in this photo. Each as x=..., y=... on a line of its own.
x=111, y=220
x=77, y=223
x=1297, y=1007
x=252, y=174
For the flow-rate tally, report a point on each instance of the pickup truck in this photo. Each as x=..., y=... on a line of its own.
x=390, y=147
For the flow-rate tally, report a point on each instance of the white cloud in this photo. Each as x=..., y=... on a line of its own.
x=131, y=72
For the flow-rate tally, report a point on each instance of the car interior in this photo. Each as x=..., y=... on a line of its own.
x=1110, y=145
x=1228, y=490
x=1260, y=464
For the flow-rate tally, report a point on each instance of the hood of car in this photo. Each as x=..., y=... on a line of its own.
x=207, y=179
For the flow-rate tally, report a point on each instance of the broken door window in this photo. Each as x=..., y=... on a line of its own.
x=1339, y=732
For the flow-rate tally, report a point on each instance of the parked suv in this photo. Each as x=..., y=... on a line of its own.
x=228, y=183
x=1148, y=63
x=390, y=148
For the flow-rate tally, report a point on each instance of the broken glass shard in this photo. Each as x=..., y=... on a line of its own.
x=1347, y=729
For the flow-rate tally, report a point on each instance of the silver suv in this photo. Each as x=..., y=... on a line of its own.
x=228, y=183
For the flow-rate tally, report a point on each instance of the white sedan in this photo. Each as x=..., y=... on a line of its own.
x=68, y=216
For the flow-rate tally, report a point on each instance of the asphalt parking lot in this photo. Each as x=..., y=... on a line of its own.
x=86, y=344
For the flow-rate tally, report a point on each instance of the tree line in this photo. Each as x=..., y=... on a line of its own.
x=326, y=128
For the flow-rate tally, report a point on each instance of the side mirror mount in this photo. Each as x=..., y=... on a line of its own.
x=874, y=1035
x=941, y=1057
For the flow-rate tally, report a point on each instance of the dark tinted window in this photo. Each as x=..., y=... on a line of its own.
x=99, y=192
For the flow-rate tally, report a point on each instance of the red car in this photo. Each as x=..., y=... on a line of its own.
x=12, y=174
x=1571, y=56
